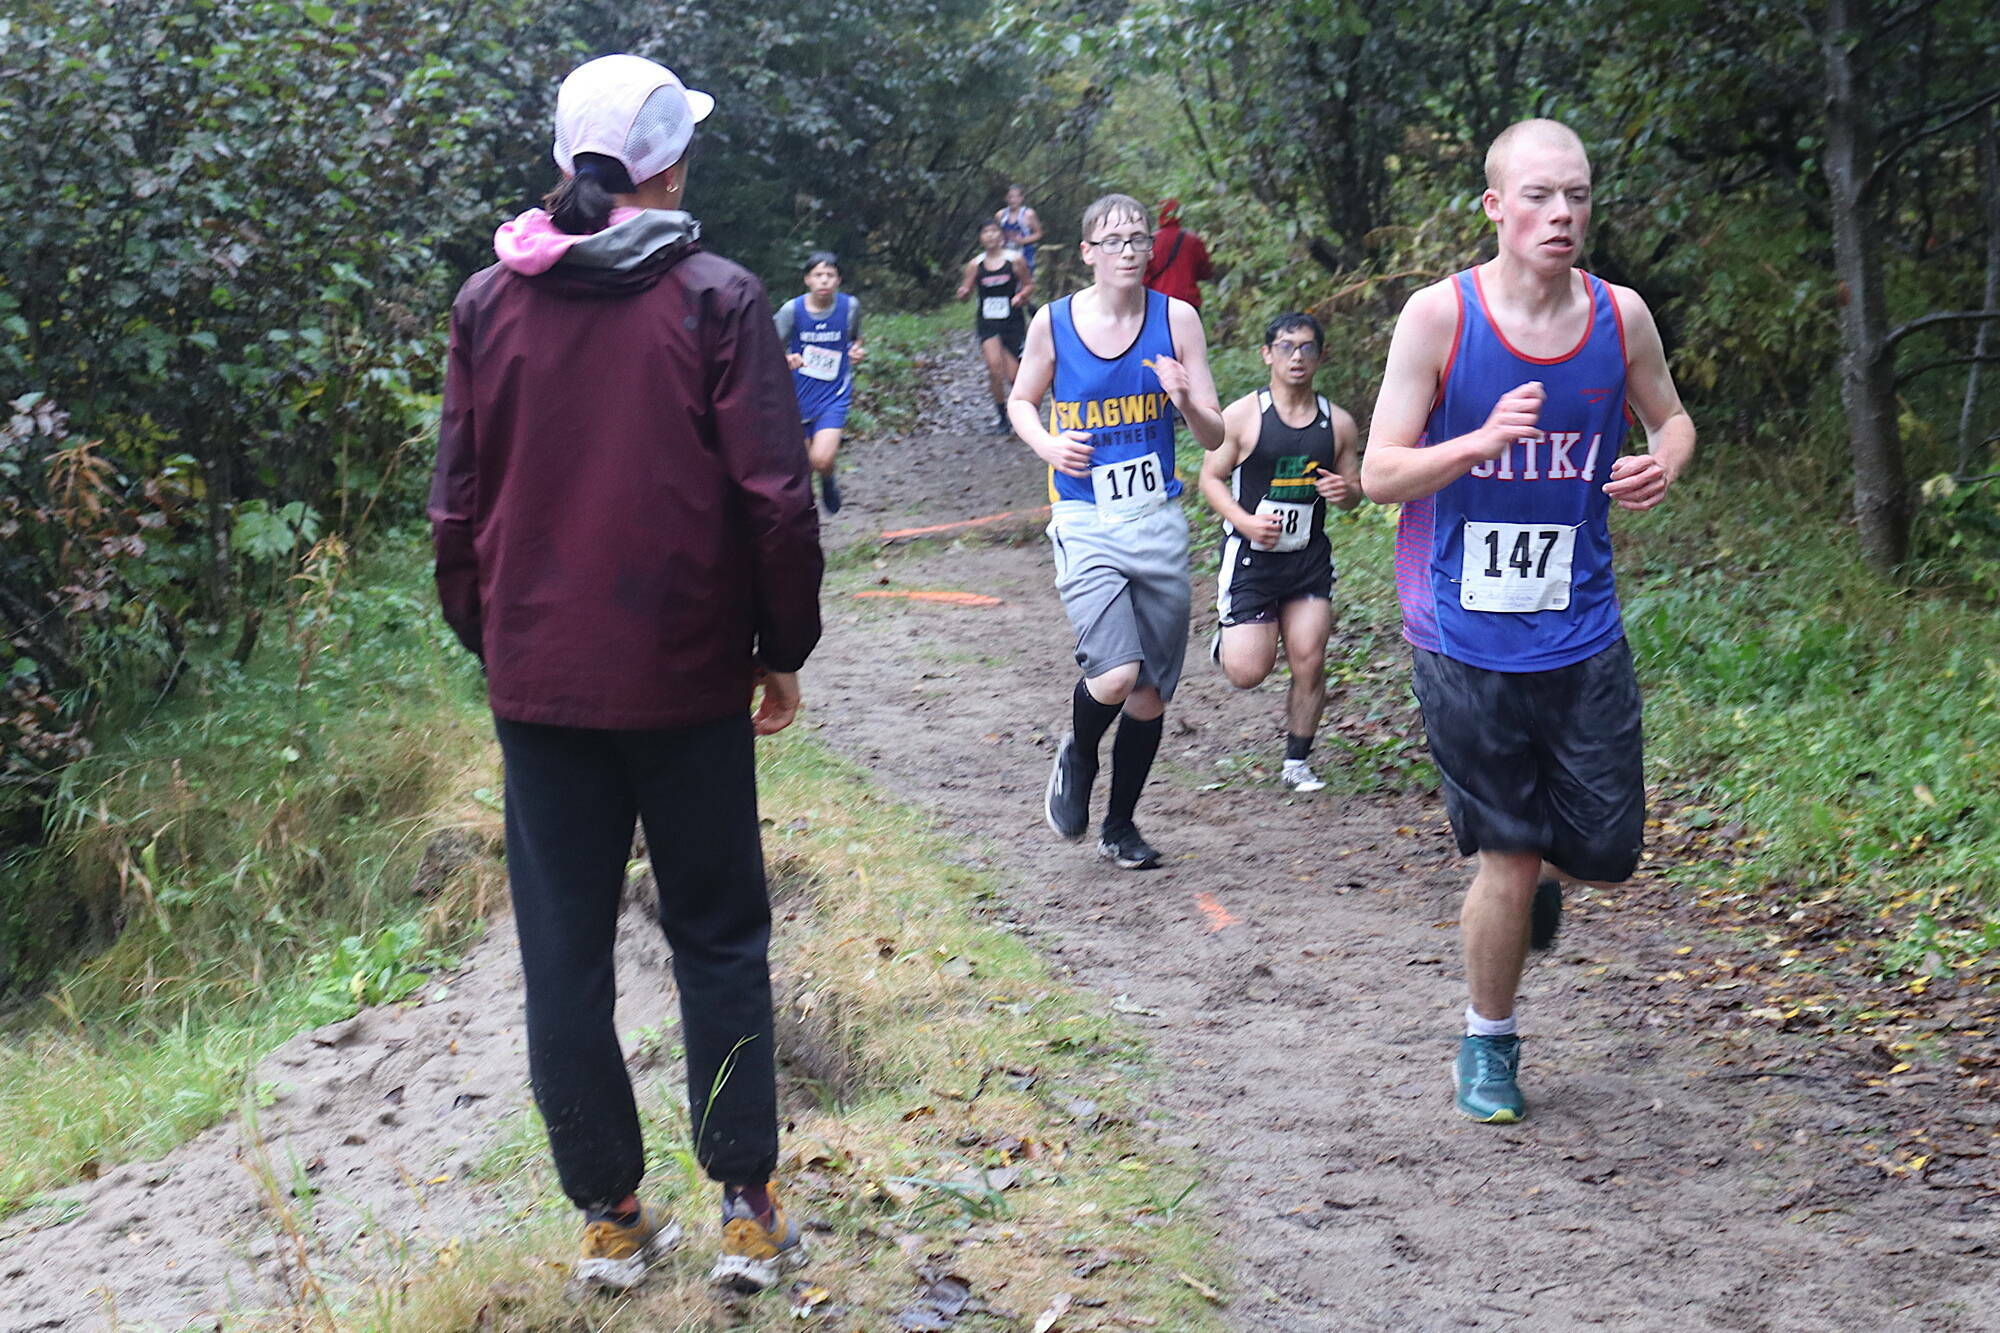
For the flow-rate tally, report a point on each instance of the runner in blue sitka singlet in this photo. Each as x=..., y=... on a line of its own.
x=1500, y=429
x=1121, y=362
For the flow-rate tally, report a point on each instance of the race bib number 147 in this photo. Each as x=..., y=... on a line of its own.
x=1516, y=567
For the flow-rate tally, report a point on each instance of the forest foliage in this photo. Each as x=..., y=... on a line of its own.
x=239, y=224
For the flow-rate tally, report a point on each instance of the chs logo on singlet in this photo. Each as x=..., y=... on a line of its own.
x=1550, y=459
x=1106, y=414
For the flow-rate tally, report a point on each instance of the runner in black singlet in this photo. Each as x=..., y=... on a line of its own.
x=1286, y=454
x=999, y=286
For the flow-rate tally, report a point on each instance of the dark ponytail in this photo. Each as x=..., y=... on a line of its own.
x=582, y=203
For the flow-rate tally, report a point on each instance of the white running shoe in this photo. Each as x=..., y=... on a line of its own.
x=1299, y=777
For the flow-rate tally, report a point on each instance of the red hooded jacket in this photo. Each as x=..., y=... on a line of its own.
x=1179, y=262
x=621, y=508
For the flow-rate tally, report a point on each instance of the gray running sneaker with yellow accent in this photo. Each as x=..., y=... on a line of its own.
x=755, y=1254
x=616, y=1254
x=1485, y=1077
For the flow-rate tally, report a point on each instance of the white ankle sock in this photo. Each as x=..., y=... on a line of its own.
x=1475, y=1026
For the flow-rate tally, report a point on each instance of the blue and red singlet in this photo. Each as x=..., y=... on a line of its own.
x=1509, y=567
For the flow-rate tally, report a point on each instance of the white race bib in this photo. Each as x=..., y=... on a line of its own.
x=1295, y=523
x=1128, y=489
x=1516, y=566
x=992, y=309
x=821, y=363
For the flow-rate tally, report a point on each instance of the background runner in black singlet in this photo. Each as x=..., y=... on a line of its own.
x=1271, y=483
x=999, y=287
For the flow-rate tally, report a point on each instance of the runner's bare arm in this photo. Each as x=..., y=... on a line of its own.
x=1033, y=222
x=1185, y=376
x=1394, y=469
x=965, y=280
x=1343, y=486
x=1240, y=424
x=1640, y=481
x=1026, y=281
x=1069, y=452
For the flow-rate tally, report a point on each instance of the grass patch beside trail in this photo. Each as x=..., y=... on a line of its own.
x=252, y=842
x=987, y=1128
x=892, y=386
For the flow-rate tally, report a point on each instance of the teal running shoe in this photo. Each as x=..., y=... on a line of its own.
x=1485, y=1075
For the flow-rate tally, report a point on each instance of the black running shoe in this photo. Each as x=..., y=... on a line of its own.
x=829, y=492
x=1002, y=426
x=1066, y=804
x=1122, y=843
x=1546, y=917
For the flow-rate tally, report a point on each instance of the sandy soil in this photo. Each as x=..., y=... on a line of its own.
x=1299, y=959
x=1296, y=964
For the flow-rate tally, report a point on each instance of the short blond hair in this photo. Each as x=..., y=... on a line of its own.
x=1553, y=131
x=1111, y=207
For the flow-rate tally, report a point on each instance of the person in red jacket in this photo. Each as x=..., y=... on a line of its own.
x=625, y=538
x=1180, y=260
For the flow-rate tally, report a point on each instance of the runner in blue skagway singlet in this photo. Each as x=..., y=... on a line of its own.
x=1120, y=403
x=1537, y=515
x=1120, y=363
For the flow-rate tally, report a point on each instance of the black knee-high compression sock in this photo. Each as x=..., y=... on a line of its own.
x=1090, y=719
x=1131, y=761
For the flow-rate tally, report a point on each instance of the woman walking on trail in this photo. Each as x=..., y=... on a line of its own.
x=625, y=537
x=1002, y=287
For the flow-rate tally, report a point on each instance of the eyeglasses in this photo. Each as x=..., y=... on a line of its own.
x=1294, y=351
x=1117, y=245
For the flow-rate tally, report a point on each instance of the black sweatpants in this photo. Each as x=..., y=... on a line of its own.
x=572, y=797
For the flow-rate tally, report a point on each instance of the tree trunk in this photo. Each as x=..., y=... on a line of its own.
x=1867, y=363
x=1989, y=171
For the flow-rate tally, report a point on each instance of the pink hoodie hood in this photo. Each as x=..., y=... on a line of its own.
x=532, y=243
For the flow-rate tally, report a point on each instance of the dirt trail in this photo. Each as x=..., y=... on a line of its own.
x=1309, y=1036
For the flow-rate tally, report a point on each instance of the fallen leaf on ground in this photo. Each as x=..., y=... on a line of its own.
x=1050, y=1317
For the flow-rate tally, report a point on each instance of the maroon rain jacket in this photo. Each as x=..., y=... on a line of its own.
x=621, y=508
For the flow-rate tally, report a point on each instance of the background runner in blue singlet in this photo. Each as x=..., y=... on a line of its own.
x=822, y=335
x=1000, y=287
x=1287, y=453
x=1120, y=360
x=1022, y=225
x=1499, y=430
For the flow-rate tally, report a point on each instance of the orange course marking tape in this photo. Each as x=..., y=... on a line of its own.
x=946, y=598
x=1218, y=915
x=965, y=523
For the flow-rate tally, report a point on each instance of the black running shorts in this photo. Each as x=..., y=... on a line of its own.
x=1540, y=761
x=1250, y=585
x=1013, y=334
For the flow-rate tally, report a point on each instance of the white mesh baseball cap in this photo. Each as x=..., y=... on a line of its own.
x=628, y=108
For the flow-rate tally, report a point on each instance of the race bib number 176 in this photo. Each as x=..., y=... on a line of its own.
x=1516, y=567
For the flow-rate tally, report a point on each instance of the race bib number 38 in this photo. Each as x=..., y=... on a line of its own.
x=821, y=363
x=1126, y=490
x=1295, y=523
x=1516, y=566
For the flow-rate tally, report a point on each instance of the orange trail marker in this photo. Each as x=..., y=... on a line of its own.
x=1218, y=915
x=1002, y=517
x=939, y=596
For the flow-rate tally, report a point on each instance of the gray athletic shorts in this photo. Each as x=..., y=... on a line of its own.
x=1125, y=589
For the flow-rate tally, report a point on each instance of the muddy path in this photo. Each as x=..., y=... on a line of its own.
x=1295, y=964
